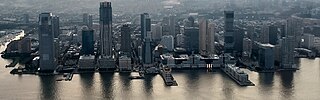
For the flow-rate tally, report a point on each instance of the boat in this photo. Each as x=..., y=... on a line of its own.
x=167, y=76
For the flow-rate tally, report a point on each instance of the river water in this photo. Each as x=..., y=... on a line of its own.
x=303, y=84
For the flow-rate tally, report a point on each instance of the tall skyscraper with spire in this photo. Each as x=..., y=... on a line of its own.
x=105, y=29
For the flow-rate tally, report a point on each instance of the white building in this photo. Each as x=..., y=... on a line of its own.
x=168, y=42
x=247, y=47
x=308, y=41
x=156, y=30
x=180, y=40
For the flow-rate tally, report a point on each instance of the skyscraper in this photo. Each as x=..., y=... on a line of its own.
x=273, y=34
x=87, y=41
x=229, y=32
x=191, y=40
x=146, y=46
x=287, y=52
x=294, y=28
x=46, y=43
x=143, y=25
x=172, y=25
x=85, y=18
x=56, y=26
x=210, y=38
x=105, y=29
x=168, y=42
x=203, y=25
x=156, y=32
x=238, y=40
x=125, y=39
x=90, y=22
x=106, y=60
x=264, y=35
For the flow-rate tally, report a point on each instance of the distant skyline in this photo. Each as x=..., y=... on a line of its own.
x=134, y=6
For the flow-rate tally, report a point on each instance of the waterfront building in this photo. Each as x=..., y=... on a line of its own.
x=266, y=57
x=86, y=62
x=125, y=63
x=46, y=43
x=105, y=29
x=287, y=52
x=146, y=38
x=87, y=41
x=24, y=45
x=106, y=60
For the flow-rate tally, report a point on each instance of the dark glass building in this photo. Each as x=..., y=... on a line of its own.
x=125, y=39
x=87, y=42
x=56, y=26
x=229, y=41
x=191, y=39
x=46, y=43
x=273, y=34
